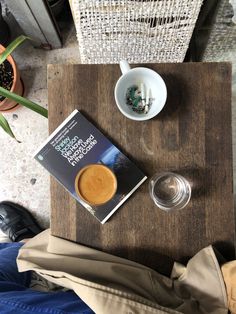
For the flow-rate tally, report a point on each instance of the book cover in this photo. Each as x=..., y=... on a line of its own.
x=89, y=166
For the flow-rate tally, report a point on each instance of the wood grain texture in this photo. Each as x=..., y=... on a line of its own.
x=192, y=136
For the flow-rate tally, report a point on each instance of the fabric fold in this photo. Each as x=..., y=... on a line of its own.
x=109, y=283
x=229, y=274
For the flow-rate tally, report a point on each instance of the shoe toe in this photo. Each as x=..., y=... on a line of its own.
x=15, y=219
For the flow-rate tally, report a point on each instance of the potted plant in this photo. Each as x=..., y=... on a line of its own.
x=11, y=87
x=9, y=79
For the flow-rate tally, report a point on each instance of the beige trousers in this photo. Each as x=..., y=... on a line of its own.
x=109, y=284
x=229, y=273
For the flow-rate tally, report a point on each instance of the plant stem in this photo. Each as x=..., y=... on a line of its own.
x=11, y=47
x=24, y=102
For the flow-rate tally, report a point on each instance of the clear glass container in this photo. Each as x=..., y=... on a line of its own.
x=169, y=191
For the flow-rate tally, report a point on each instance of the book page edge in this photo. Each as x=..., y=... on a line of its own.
x=123, y=200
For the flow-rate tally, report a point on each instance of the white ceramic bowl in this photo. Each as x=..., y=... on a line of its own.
x=152, y=80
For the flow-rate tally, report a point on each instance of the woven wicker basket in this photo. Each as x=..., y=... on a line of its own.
x=221, y=44
x=138, y=31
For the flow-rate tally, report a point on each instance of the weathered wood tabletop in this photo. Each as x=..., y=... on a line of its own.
x=192, y=136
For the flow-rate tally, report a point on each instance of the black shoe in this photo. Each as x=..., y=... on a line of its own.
x=17, y=222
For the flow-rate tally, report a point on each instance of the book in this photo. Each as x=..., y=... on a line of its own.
x=96, y=173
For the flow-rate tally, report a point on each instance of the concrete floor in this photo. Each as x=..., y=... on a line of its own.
x=22, y=179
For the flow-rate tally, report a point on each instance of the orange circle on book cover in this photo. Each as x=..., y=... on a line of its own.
x=95, y=184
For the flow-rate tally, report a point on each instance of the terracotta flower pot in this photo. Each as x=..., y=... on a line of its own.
x=17, y=86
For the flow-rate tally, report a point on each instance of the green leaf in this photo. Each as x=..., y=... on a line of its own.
x=6, y=127
x=11, y=47
x=24, y=102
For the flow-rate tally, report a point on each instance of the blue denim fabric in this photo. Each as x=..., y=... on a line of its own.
x=16, y=297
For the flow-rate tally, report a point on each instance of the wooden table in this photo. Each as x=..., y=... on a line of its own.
x=192, y=136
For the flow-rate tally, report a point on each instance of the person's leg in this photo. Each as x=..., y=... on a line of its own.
x=15, y=296
x=8, y=268
x=16, y=223
x=43, y=302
